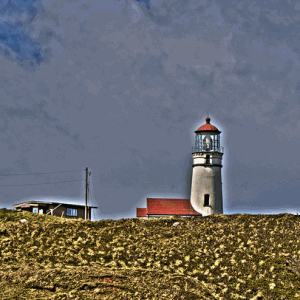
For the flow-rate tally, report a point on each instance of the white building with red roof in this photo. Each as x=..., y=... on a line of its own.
x=206, y=186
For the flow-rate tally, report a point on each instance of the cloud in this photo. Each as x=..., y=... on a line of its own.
x=120, y=85
x=15, y=39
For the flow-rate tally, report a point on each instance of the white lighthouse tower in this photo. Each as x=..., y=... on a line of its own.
x=206, y=190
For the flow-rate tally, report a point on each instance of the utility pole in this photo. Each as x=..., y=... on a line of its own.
x=86, y=190
x=88, y=198
x=89, y=211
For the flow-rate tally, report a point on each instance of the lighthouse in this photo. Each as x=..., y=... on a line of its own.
x=206, y=189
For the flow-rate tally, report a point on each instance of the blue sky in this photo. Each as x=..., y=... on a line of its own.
x=120, y=87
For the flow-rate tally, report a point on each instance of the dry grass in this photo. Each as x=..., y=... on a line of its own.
x=215, y=257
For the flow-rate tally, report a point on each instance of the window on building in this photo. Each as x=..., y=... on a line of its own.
x=207, y=159
x=71, y=212
x=206, y=200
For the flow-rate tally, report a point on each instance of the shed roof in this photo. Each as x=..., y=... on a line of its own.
x=34, y=203
x=162, y=206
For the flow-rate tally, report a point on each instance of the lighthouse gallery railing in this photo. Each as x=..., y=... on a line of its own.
x=204, y=149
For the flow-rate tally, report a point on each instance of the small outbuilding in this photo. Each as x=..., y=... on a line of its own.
x=158, y=207
x=65, y=210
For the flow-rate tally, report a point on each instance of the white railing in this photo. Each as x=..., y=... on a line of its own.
x=204, y=149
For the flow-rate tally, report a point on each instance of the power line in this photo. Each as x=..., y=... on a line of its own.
x=37, y=173
x=73, y=196
x=41, y=183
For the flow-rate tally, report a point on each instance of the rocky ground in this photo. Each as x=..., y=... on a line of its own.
x=238, y=256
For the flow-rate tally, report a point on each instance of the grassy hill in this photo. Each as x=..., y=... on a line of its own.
x=238, y=256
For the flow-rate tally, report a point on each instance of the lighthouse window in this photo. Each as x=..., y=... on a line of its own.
x=206, y=200
x=208, y=142
x=207, y=159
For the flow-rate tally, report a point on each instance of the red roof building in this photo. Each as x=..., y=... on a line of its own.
x=157, y=207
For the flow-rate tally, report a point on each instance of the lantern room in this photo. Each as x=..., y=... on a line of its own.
x=207, y=138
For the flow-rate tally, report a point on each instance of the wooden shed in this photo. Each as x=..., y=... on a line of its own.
x=65, y=210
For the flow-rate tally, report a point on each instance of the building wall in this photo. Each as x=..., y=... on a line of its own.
x=164, y=216
x=200, y=158
x=206, y=179
x=63, y=209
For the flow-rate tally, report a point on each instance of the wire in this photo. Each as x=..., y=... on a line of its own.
x=74, y=193
x=65, y=199
x=41, y=183
x=38, y=173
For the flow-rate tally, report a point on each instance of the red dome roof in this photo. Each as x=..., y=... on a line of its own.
x=208, y=127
